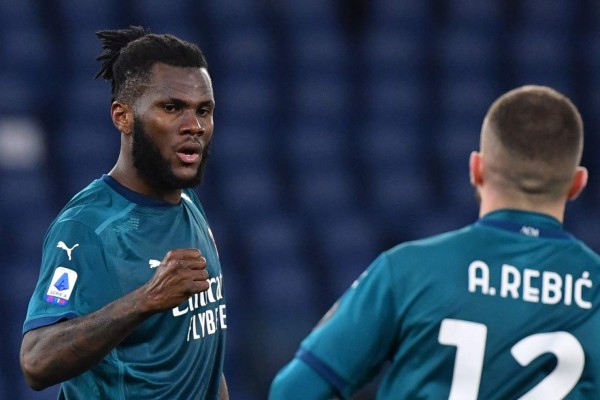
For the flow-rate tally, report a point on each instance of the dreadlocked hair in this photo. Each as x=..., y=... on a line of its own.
x=129, y=55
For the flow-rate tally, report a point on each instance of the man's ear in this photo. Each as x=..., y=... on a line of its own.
x=122, y=117
x=578, y=184
x=476, y=169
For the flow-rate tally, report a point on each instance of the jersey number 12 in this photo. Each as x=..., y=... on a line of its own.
x=469, y=339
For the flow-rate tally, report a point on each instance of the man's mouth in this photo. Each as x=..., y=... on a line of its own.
x=189, y=153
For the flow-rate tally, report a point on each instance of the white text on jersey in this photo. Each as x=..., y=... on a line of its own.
x=531, y=285
x=206, y=320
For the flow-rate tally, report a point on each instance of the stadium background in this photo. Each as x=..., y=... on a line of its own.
x=342, y=128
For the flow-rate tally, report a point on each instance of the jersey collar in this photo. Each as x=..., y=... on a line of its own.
x=135, y=197
x=526, y=223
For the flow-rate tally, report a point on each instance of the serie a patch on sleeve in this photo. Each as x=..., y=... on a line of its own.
x=61, y=286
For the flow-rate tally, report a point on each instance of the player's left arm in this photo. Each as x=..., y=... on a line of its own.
x=351, y=343
x=297, y=381
x=223, y=392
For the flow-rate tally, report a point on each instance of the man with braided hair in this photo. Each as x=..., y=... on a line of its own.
x=505, y=308
x=130, y=301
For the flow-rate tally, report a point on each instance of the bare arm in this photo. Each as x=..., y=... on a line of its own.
x=58, y=352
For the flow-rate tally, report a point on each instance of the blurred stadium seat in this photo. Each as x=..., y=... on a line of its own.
x=481, y=16
x=78, y=17
x=19, y=97
x=548, y=15
x=83, y=152
x=349, y=242
x=538, y=56
x=470, y=53
x=412, y=14
x=176, y=19
x=251, y=194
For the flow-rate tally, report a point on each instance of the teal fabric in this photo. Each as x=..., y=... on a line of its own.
x=115, y=237
x=298, y=381
x=482, y=312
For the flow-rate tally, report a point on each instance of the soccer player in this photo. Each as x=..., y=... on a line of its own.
x=130, y=300
x=506, y=308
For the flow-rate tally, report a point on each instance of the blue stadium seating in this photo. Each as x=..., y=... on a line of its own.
x=81, y=56
x=311, y=147
x=224, y=15
x=322, y=195
x=246, y=100
x=399, y=99
x=77, y=23
x=589, y=48
x=349, y=244
x=581, y=220
x=466, y=100
x=20, y=14
x=250, y=194
x=390, y=50
x=556, y=15
x=90, y=100
x=308, y=15
x=84, y=152
x=454, y=144
x=176, y=19
x=412, y=14
x=26, y=49
x=468, y=53
x=80, y=17
x=542, y=57
x=281, y=283
x=462, y=106
x=392, y=146
x=18, y=97
x=239, y=147
x=282, y=273
x=398, y=197
x=27, y=199
x=480, y=16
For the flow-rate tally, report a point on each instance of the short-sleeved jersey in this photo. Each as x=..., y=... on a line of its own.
x=107, y=242
x=506, y=308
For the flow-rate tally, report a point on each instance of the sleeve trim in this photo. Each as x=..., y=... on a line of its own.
x=45, y=321
x=325, y=371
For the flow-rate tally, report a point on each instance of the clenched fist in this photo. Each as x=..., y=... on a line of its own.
x=181, y=274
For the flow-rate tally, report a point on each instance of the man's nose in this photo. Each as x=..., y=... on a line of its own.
x=191, y=124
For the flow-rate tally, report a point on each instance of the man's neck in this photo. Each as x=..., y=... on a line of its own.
x=491, y=203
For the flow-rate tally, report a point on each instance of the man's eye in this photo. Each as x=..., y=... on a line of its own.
x=170, y=108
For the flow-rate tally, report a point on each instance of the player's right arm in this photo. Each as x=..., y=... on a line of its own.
x=54, y=353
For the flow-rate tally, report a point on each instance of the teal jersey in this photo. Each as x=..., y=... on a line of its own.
x=506, y=308
x=107, y=242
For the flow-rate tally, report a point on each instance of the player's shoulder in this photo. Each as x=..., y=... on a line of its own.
x=432, y=244
x=190, y=198
x=587, y=252
x=91, y=207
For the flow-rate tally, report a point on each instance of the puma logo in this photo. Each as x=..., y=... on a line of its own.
x=153, y=263
x=62, y=245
